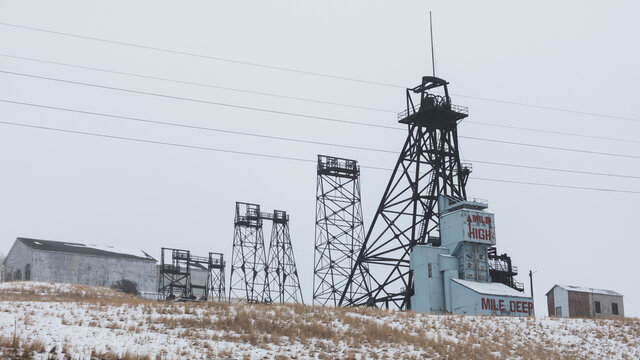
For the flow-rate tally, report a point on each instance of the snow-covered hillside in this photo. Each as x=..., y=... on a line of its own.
x=83, y=322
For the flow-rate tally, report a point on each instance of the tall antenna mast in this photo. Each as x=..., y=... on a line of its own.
x=433, y=61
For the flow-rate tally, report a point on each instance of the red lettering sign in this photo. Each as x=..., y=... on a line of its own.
x=521, y=307
x=485, y=304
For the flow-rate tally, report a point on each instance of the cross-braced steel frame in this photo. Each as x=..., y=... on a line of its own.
x=339, y=229
x=175, y=274
x=429, y=164
x=176, y=282
x=248, y=277
x=215, y=279
x=283, y=284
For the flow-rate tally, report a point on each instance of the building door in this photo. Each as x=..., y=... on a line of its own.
x=558, y=311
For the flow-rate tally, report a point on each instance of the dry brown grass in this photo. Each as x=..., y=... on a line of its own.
x=367, y=332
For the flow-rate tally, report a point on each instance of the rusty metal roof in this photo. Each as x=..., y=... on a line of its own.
x=589, y=290
x=84, y=249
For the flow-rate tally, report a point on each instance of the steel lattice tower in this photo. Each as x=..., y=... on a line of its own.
x=339, y=229
x=428, y=165
x=283, y=284
x=175, y=274
x=215, y=279
x=248, y=259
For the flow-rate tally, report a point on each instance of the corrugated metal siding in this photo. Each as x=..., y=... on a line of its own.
x=18, y=258
x=92, y=270
x=578, y=304
x=551, y=307
x=605, y=305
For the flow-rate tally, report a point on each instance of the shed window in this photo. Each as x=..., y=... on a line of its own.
x=597, y=307
x=614, y=308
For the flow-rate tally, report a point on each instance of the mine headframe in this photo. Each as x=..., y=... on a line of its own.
x=429, y=165
x=283, y=283
x=248, y=277
x=215, y=289
x=175, y=274
x=254, y=276
x=339, y=227
x=176, y=281
x=211, y=287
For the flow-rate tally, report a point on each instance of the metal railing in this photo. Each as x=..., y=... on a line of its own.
x=329, y=162
x=502, y=266
x=410, y=111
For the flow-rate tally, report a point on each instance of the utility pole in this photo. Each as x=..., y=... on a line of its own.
x=531, y=285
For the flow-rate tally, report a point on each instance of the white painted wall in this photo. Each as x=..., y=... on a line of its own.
x=561, y=299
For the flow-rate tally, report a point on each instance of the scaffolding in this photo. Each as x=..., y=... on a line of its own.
x=339, y=228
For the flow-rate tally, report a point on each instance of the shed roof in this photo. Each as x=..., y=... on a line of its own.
x=84, y=249
x=586, y=290
x=490, y=288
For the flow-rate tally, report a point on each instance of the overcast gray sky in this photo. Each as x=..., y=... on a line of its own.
x=569, y=55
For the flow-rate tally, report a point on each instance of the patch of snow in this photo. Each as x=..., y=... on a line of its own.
x=589, y=290
x=490, y=288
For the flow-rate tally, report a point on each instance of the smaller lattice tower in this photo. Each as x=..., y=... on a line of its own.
x=248, y=259
x=283, y=284
x=175, y=274
x=339, y=228
x=215, y=280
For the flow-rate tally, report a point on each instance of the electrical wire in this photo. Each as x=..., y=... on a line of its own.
x=474, y=122
x=202, y=101
x=287, y=157
x=199, y=84
x=280, y=68
x=305, y=115
x=202, y=56
x=137, y=119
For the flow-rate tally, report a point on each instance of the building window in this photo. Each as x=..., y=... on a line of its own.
x=18, y=275
x=614, y=308
x=27, y=272
x=597, y=307
x=429, y=266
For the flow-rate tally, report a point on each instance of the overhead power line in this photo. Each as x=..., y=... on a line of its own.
x=312, y=73
x=199, y=84
x=549, y=147
x=277, y=112
x=551, y=132
x=202, y=56
x=304, y=115
x=300, y=98
x=136, y=119
x=286, y=157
